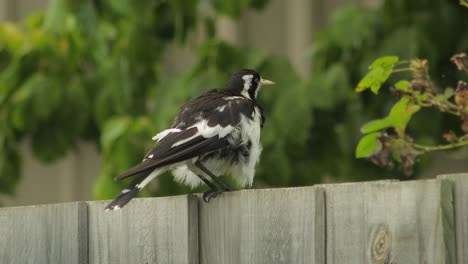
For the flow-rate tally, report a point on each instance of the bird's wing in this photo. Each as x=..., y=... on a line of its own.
x=208, y=131
x=168, y=152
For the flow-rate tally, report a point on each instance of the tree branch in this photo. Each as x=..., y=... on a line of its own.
x=440, y=147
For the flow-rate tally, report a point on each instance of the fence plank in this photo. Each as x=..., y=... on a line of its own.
x=372, y=222
x=150, y=230
x=461, y=213
x=264, y=226
x=44, y=234
x=390, y=222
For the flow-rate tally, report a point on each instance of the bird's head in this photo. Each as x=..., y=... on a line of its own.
x=247, y=83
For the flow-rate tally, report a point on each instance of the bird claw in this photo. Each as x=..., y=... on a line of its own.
x=208, y=195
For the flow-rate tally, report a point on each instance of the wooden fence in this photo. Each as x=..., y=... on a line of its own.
x=383, y=222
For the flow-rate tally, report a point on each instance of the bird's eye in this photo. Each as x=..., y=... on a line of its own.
x=257, y=80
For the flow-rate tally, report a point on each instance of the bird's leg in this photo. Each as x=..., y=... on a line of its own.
x=212, y=192
x=207, y=182
x=216, y=179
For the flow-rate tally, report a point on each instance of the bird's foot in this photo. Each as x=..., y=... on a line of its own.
x=208, y=195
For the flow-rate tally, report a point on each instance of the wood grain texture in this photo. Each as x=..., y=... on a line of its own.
x=44, y=234
x=460, y=196
x=389, y=222
x=263, y=226
x=147, y=230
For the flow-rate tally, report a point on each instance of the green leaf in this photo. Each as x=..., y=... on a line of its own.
x=50, y=142
x=231, y=8
x=373, y=80
x=384, y=62
x=381, y=69
x=10, y=162
x=12, y=38
x=376, y=125
x=464, y=3
x=398, y=118
x=293, y=101
x=402, y=112
x=448, y=93
x=35, y=100
x=9, y=81
x=121, y=7
x=56, y=15
x=113, y=129
x=403, y=85
x=259, y=4
x=368, y=145
x=330, y=88
x=210, y=26
x=396, y=156
x=351, y=28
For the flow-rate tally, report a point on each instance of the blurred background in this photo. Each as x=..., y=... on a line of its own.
x=84, y=85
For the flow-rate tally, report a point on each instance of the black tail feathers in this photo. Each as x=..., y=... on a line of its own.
x=128, y=193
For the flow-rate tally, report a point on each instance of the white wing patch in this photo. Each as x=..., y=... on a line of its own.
x=206, y=131
x=221, y=108
x=228, y=98
x=164, y=133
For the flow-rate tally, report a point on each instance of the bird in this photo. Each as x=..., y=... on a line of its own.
x=214, y=134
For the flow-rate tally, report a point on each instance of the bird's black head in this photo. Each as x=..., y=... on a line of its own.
x=247, y=83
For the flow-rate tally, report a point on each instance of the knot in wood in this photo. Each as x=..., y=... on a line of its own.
x=381, y=244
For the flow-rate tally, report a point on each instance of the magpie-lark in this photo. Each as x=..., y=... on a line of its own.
x=213, y=134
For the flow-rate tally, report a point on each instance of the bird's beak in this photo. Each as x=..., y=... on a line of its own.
x=266, y=82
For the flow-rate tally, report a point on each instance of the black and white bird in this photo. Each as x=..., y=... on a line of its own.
x=213, y=134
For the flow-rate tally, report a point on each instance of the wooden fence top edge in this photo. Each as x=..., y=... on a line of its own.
x=280, y=189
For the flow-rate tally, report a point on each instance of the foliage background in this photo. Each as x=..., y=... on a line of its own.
x=92, y=70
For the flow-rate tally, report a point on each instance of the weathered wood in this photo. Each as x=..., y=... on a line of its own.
x=390, y=222
x=44, y=234
x=460, y=195
x=150, y=230
x=264, y=226
x=367, y=222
